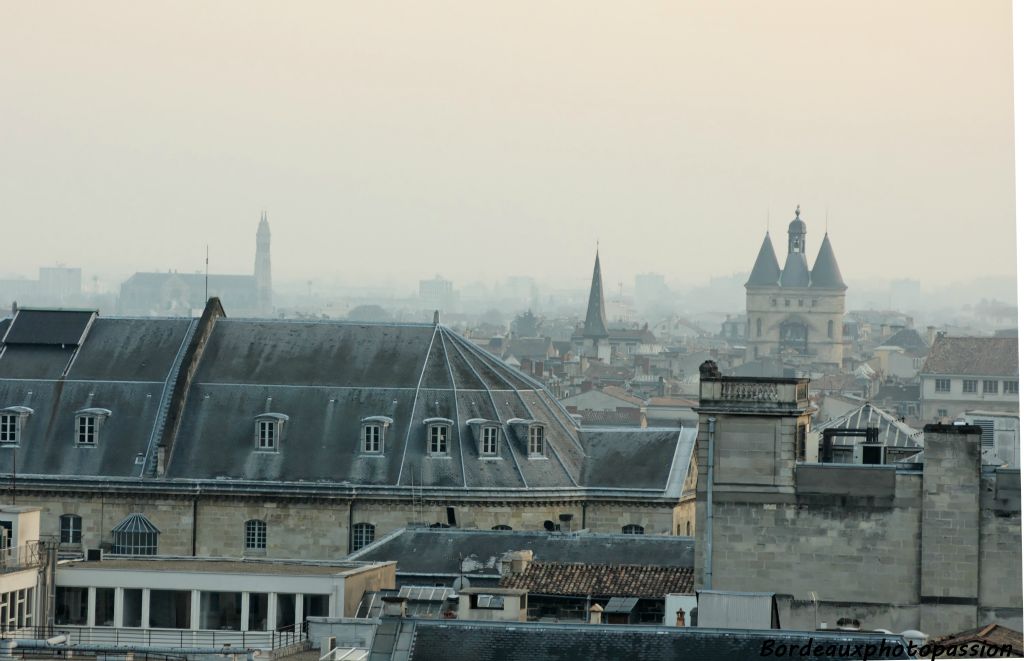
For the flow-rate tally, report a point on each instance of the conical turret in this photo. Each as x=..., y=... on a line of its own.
x=596, y=325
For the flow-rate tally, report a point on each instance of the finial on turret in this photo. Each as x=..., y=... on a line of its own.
x=798, y=211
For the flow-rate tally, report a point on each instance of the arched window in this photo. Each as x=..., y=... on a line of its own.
x=135, y=535
x=501, y=526
x=687, y=528
x=255, y=535
x=831, y=329
x=362, y=534
x=70, y=529
x=759, y=327
x=632, y=529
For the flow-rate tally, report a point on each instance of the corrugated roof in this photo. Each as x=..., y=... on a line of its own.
x=891, y=432
x=735, y=610
x=972, y=356
x=587, y=579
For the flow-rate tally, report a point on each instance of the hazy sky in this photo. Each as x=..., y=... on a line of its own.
x=392, y=141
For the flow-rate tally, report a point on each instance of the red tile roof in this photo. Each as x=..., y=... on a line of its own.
x=974, y=356
x=990, y=634
x=580, y=579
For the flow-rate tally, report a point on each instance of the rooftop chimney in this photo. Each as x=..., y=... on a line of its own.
x=596, y=613
x=437, y=317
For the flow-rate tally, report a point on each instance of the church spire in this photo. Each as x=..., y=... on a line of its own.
x=766, y=268
x=595, y=325
x=264, y=290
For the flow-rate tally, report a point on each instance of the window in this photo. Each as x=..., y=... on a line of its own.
x=371, y=438
x=255, y=535
x=831, y=329
x=801, y=442
x=535, y=443
x=135, y=535
x=266, y=435
x=8, y=428
x=942, y=413
x=1009, y=387
x=941, y=385
x=787, y=302
x=489, y=441
x=501, y=526
x=775, y=302
x=970, y=385
x=990, y=387
x=632, y=529
x=687, y=528
x=800, y=302
x=814, y=302
x=759, y=328
x=438, y=439
x=70, y=529
x=362, y=534
x=87, y=430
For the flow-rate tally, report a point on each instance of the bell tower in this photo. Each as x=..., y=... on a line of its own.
x=264, y=293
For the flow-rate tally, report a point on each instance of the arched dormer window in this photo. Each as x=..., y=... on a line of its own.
x=88, y=423
x=269, y=431
x=373, y=431
x=531, y=435
x=438, y=434
x=486, y=433
x=12, y=419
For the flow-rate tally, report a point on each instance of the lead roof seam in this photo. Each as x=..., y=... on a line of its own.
x=522, y=400
x=412, y=411
x=166, y=392
x=455, y=398
x=497, y=416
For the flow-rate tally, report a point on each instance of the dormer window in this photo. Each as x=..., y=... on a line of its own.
x=438, y=432
x=269, y=428
x=373, y=431
x=11, y=420
x=535, y=441
x=87, y=426
x=489, y=440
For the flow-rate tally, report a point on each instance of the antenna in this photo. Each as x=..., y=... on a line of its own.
x=826, y=219
x=206, y=283
x=767, y=219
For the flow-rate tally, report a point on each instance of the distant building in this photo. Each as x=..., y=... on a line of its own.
x=438, y=294
x=56, y=285
x=174, y=294
x=591, y=341
x=963, y=373
x=796, y=313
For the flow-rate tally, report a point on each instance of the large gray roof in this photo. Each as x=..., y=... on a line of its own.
x=795, y=273
x=324, y=379
x=421, y=551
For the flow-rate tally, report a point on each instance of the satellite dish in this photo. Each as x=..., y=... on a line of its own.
x=460, y=584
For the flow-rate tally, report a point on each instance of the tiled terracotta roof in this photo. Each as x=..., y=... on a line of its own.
x=990, y=634
x=974, y=356
x=580, y=579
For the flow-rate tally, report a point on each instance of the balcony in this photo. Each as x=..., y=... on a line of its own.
x=753, y=395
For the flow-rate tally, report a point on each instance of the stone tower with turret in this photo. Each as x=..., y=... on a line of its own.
x=795, y=314
x=264, y=292
x=591, y=340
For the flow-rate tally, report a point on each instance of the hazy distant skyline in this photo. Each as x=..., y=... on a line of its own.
x=396, y=141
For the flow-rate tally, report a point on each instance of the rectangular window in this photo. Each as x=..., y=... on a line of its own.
x=990, y=387
x=104, y=607
x=942, y=413
x=285, y=611
x=8, y=428
x=220, y=611
x=536, y=442
x=170, y=609
x=258, y=611
x=489, y=441
x=72, y=604
x=970, y=385
x=266, y=435
x=70, y=529
x=315, y=605
x=87, y=430
x=371, y=438
x=941, y=385
x=1009, y=387
x=132, y=611
x=438, y=439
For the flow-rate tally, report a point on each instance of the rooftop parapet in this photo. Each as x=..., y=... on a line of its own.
x=755, y=395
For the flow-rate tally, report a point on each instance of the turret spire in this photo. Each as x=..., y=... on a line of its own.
x=596, y=325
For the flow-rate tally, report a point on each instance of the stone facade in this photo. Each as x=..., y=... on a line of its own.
x=898, y=546
x=774, y=309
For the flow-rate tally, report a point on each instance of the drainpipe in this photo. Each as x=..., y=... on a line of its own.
x=708, y=530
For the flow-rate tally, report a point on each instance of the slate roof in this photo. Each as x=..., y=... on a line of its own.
x=972, y=356
x=588, y=579
x=909, y=340
x=891, y=432
x=48, y=327
x=795, y=273
x=766, y=269
x=325, y=377
x=534, y=348
x=420, y=551
x=825, y=274
x=596, y=326
x=509, y=641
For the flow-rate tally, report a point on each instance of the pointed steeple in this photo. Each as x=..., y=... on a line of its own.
x=595, y=325
x=795, y=273
x=766, y=268
x=825, y=274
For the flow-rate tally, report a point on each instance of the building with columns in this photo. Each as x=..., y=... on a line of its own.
x=795, y=313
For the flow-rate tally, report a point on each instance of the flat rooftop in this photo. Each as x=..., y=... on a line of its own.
x=224, y=566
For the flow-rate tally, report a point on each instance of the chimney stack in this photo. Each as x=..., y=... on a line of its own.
x=596, y=614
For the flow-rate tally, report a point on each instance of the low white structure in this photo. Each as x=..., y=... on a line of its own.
x=1000, y=436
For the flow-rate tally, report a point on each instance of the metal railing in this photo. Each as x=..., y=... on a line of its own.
x=266, y=640
x=17, y=558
